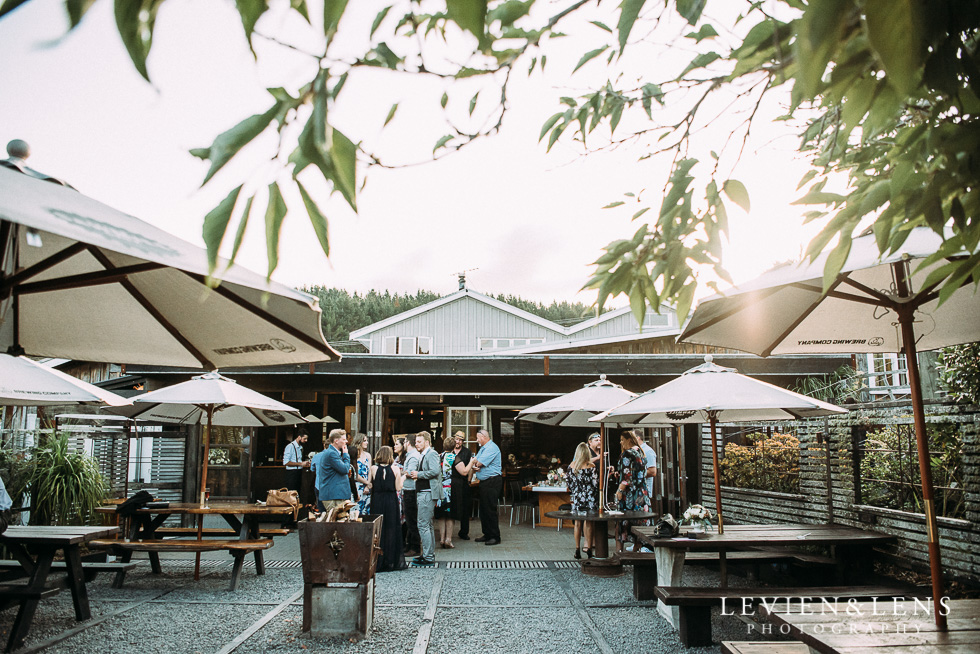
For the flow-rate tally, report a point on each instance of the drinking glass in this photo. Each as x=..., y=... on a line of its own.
x=207, y=497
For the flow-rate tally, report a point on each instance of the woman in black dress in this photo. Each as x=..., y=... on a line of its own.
x=385, y=484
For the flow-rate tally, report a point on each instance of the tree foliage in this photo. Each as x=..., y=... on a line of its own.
x=959, y=371
x=883, y=93
x=763, y=462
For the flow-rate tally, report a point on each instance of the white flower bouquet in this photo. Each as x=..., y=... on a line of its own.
x=697, y=515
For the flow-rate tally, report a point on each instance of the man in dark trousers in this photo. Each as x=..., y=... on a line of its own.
x=488, y=469
x=332, y=470
x=413, y=542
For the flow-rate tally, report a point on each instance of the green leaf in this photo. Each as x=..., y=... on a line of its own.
x=333, y=11
x=810, y=174
x=299, y=6
x=9, y=5
x=274, y=215
x=76, y=10
x=895, y=33
x=736, y=192
x=617, y=203
x=700, y=61
x=471, y=15
x=588, y=56
x=240, y=234
x=629, y=11
x=638, y=304
x=250, y=12
x=473, y=100
x=442, y=142
x=836, y=260
x=318, y=220
x=343, y=156
x=548, y=124
x=134, y=21
x=691, y=10
x=601, y=26
x=391, y=114
x=444, y=100
x=684, y=300
x=651, y=92
x=228, y=143
x=706, y=32
x=819, y=32
x=215, y=225
x=378, y=20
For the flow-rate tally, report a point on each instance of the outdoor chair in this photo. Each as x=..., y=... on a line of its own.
x=520, y=502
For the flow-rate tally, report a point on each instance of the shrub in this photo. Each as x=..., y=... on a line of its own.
x=769, y=463
x=66, y=486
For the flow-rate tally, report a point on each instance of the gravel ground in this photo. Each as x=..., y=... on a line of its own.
x=477, y=611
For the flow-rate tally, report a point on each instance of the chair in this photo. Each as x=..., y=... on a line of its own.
x=520, y=502
x=563, y=507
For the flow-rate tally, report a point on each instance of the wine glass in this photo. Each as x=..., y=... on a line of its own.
x=207, y=497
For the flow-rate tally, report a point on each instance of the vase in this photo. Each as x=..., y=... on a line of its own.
x=697, y=528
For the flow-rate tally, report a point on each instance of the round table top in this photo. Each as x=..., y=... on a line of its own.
x=594, y=516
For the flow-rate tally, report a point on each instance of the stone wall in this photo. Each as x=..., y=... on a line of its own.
x=959, y=538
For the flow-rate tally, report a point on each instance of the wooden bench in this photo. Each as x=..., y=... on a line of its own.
x=694, y=604
x=213, y=532
x=90, y=568
x=237, y=548
x=763, y=647
x=645, y=565
x=21, y=592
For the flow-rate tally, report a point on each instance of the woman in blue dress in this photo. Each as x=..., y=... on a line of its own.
x=362, y=470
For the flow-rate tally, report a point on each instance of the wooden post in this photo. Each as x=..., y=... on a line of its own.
x=602, y=467
x=712, y=421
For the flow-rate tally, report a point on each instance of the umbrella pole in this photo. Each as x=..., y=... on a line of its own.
x=602, y=466
x=204, y=482
x=925, y=467
x=712, y=420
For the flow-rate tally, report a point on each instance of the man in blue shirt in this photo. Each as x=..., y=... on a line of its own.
x=332, y=468
x=487, y=465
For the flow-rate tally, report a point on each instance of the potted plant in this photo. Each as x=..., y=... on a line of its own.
x=698, y=517
x=66, y=486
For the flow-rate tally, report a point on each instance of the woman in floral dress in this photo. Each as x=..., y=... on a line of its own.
x=444, y=513
x=631, y=494
x=361, y=472
x=583, y=487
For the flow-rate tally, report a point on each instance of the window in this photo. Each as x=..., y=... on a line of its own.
x=888, y=374
x=485, y=343
x=468, y=421
x=229, y=446
x=888, y=468
x=407, y=345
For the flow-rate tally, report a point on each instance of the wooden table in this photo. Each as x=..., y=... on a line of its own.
x=550, y=499
x=142, y=530
x=35, y=549
x=603, y=563
x=852, y=549
x=902, y=627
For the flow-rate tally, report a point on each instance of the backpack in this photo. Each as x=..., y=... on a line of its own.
x=137, y=501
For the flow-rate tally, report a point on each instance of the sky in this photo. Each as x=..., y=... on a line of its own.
x=521, y=220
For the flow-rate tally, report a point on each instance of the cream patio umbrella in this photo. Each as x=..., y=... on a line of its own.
x=712, y=393
x=81, y=280
x=24, y=382
x=577, y=408
x=877, y=303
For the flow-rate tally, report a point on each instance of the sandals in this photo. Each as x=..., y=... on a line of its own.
x=588, y=553
x=578, y=553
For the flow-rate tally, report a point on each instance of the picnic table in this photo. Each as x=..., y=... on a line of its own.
x=34, y=548
x=145, y=533
x=851, y=557
x=603, y=564
x=904, y=627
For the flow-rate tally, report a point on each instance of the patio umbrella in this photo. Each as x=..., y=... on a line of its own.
x=712, y=393
x=577, y=408
x=24, y=382
x=212, y=400
x=79, y=279
x=877, y=303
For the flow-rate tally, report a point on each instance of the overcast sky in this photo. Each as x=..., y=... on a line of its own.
x=528, y=221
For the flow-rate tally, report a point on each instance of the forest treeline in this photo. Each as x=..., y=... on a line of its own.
x=345, y=312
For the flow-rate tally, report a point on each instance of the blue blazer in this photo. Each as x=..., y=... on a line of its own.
x=331, y=474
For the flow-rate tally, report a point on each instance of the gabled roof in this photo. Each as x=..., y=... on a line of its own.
x=466, y=292
x=609, y=315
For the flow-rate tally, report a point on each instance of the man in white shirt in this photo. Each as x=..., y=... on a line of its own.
x=413, y=542
x=292, y=458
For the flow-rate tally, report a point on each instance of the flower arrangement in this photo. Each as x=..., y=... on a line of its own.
x=698, y=515
x=556, y=477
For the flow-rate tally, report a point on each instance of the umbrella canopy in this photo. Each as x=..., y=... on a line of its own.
x=878, y=303
x=576, y=408
x=82, y=280
x=712, y=393
x=324, y=419
x=24, y=382
x=226, y=402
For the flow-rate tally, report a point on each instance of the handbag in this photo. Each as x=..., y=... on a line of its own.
x=283, y=497
x=666, y=527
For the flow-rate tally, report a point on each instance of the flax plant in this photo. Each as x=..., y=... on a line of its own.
x=66, y=485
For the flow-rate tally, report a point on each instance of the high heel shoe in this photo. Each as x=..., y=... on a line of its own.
x=588, y=553
x=578, y=554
